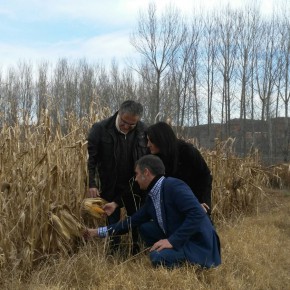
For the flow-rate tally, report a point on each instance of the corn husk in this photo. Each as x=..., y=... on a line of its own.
x=93, y=206
x=65, y=223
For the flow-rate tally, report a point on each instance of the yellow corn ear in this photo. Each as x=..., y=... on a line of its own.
x=59, y=227
x=93, y=206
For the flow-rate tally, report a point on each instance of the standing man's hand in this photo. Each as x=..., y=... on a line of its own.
x=160, y=245
x=110, y=207
x=93, y=192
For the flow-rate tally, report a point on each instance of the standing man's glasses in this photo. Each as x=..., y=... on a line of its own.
x=126, y=123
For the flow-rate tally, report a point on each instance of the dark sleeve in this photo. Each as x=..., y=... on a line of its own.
x=93, y=151
x=201, y=183
x=123, y=226
x=118, y=200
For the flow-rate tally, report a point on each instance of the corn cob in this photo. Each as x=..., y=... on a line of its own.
x=93, y=206
x=71, y=223
x=97, y=209
x=59, y=227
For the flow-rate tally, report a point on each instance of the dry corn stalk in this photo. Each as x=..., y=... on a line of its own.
x=93, y=206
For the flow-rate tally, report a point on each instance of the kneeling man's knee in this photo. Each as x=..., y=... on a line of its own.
x=155, y=258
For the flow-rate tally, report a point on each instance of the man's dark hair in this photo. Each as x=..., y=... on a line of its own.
x=132, y=108
x=162, y=135
x=151, y=162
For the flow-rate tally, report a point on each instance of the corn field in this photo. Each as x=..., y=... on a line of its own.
x=43, y=177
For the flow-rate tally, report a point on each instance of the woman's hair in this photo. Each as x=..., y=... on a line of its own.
x=162, y=135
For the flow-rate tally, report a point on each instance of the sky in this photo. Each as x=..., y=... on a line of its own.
x=97, y=30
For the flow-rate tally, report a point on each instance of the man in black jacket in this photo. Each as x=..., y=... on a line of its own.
x=114, y=145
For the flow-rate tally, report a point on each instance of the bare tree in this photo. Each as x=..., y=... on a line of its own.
x=41, y=89
x=209, y=55
x=283, y=84
x=266, y=75
x=248, y=22
x=11, y=91
x=145, y=90
x=25, y=86
x=227, y=50
x=183, y=75
x=191, y=54
x=65, y=89
x=158, y=41
x=86, y=89
x=103, y=88
x=265, y=68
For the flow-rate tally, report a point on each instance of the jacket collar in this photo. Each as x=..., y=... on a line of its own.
x=154, y=180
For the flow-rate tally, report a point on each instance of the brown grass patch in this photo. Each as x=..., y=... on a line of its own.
x=43, y=171
x=255, y=254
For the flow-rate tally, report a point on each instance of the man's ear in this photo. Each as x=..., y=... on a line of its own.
x=146, y=171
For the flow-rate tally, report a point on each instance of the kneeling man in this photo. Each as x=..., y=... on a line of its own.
x=172, y=222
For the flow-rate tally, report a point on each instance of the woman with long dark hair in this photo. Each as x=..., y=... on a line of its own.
x=182, y=160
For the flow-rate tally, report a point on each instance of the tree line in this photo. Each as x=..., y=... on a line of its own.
x=204, y=69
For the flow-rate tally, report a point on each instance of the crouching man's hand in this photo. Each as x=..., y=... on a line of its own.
x=90, y=233
x=160, y=245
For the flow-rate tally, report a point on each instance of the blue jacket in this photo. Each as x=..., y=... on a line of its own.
x=186, y=224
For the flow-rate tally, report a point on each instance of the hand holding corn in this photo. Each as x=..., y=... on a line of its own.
x=94, y=206
x=110, y=207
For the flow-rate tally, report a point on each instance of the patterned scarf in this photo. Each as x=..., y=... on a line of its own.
x=155, y=196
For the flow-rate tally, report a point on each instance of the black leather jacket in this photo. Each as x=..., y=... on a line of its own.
x=103, y=152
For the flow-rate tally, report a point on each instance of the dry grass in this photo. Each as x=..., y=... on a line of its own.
x=238, y=183
x=255, y=252
x=279, y=175
x=44, y=170
x=43, y=177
